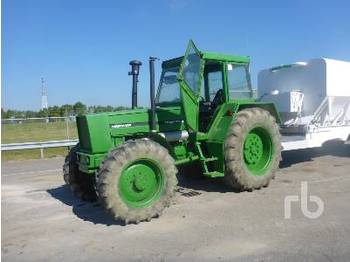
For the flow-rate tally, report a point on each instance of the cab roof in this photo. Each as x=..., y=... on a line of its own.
x=209, y=56
x=225, y=57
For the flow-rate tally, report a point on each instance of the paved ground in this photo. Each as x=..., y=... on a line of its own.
x=41, y=221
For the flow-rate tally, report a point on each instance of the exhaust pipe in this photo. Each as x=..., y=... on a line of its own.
x=152, y=92
x=135, y=70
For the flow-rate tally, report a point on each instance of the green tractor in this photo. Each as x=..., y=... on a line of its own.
x=204, y=112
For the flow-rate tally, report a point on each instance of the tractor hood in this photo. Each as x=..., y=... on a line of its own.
x=99, y=132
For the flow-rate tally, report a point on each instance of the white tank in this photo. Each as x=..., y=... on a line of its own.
x=320, y=81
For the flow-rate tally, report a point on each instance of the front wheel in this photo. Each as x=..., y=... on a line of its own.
x=252, y=150
x=81, y=185
x=137, y=181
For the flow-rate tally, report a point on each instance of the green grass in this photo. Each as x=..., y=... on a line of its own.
x=33, y=154
x=36, y=132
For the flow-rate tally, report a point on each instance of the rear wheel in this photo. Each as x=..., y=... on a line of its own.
x=252, y=150
x=82, y=185
x=137, y=181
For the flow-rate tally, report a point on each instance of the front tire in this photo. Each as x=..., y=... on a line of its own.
x=81, y=185
x=252, y=150
x=137, y=181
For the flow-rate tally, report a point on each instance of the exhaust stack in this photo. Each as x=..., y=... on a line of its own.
x=135, y=70
x=152, y=92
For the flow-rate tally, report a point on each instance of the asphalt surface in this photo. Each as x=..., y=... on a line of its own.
x=42, y=221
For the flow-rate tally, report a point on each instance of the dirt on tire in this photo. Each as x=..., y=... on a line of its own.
x=111, y=171
x=81, y=185
x=237, y=176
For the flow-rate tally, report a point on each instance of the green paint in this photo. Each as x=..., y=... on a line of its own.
x=141, y=183
x=89, y=162
x=99, y=133
x=93, y=131
x=186, y=160
x=225, y=58
x=258, y=151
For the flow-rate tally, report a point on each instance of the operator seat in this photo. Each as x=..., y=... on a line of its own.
x=207, y=109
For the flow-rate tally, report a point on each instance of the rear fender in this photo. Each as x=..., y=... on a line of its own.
x=270, y=107
x=223, y=120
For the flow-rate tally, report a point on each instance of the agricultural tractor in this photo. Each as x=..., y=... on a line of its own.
x=203, y=112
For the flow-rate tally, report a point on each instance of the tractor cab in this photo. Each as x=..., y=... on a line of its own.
x=201, y=82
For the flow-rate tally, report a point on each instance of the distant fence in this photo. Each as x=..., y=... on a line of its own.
x=39, y=145
x=22, y=130
x=37, y=119
x=38, y=133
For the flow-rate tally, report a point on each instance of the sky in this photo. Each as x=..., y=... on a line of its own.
x=82, y=48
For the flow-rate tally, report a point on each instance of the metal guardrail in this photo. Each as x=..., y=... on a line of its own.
x=38, y=145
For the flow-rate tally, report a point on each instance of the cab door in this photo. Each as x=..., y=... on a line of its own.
x=190, y=78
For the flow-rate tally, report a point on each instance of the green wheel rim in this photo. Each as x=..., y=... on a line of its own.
x=258, y=151
x=141, y=183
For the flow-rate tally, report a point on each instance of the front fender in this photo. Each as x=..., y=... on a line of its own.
x=156, y=137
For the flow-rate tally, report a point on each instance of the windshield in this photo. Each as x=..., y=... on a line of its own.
x=169, y=89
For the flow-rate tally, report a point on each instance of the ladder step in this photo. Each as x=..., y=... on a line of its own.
x=214, y=174
x=210, y=159
x=205, y=160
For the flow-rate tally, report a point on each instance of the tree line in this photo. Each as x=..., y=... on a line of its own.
x=59, y=111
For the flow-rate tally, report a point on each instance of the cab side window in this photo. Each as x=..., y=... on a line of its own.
x=238, y=81
x=213, y=75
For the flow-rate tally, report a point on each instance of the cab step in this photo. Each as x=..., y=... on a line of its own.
x=206, y=160
x=213, y=174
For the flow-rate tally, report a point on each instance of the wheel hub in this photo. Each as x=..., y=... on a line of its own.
x=258, y=151
x=141, y=183
x=253, y=148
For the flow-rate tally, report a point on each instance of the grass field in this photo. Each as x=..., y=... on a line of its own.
x=32, y=154
x=30, y=132
x=35, y=132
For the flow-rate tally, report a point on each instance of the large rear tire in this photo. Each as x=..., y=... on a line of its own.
x=137, y=181
x=82, y=185
x=252, y=150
